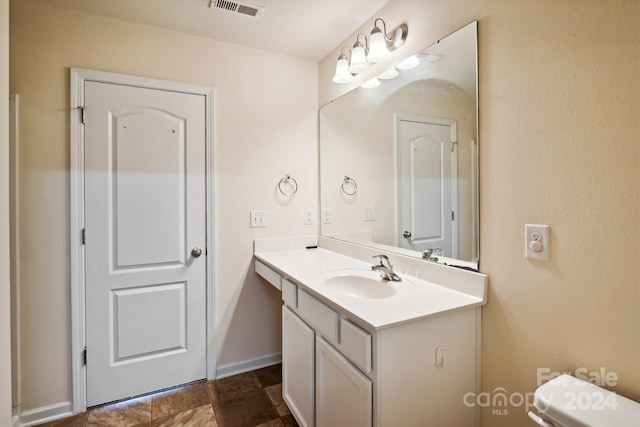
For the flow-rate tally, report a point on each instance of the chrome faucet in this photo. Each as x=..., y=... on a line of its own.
x=386, y=269
x=427, y=255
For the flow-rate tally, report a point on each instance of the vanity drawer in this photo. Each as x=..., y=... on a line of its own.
x=269, y=274
x=289, y=293
x=321, y=318
x=355, y=343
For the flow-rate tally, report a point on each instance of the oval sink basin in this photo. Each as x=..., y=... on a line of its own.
x=359, y=284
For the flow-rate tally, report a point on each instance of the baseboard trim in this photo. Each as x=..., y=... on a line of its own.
x=45, y=414
x=248, y=365
x=61, y=410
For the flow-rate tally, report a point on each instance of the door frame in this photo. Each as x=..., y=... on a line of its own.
x=78, y=78
x=453, y=125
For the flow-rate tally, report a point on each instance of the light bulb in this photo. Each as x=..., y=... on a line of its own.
x=389, y=73
x=342, y=71
x=358, y=59
x=374, y=82
x=410, y=62
x=378, y=50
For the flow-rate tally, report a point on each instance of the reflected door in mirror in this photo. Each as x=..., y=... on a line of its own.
x=427, y=183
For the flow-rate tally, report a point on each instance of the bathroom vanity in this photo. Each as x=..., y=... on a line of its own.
x=361, y=351
x=398, y=177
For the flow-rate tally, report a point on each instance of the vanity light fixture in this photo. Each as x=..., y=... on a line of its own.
x=362, y=55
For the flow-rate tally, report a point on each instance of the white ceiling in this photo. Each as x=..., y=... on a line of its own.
x=307, y=29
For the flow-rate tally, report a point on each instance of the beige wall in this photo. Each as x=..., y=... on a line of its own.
x=559, y=145
x=255, y=145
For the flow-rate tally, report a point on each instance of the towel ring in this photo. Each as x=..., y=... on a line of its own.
x=349, y=181
x=285, y=181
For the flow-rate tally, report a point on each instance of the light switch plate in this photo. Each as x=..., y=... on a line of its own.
x=326, y=216
x=536, y=242
x=258, y=219
x=309, y=217
x=368, y=214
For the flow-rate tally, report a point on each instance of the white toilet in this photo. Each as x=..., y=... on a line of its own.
x=567, y=401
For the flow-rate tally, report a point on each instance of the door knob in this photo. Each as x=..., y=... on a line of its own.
x=406, y=234
x=196, y=252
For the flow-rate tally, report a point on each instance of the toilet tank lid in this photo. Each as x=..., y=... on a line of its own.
x=573, y=402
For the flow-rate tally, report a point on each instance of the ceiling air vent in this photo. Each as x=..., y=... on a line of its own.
x=238, y=7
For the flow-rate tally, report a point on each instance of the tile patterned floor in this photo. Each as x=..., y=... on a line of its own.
x=253, y=399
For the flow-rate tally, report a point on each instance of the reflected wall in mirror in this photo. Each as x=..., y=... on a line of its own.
x=399, y=162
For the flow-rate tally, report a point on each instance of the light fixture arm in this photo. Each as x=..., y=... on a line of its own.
x=342, y=54
x=366, y=42
x=394, y=39
x=384, y=28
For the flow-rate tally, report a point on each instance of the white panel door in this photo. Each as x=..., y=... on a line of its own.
x=344, y=396
x=297, y=367
x=426, y=187
x=144, y=215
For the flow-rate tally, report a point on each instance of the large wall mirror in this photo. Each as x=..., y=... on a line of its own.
x=399, y=162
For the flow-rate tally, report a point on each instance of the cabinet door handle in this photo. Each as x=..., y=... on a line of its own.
x=439, y=357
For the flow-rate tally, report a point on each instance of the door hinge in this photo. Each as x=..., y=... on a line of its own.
x=84, y=236
x=453, y=216
x=84, y=356
x=83, y=115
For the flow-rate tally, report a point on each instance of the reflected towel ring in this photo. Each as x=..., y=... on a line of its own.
x=349, y=181
x=286, y=180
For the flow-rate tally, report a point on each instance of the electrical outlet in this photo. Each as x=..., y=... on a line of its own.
x=536, y=240
x=308, y=217
x=326, y=216
x=368, y=214
x=258, y=219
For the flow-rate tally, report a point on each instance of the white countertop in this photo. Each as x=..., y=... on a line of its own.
x=415, y=298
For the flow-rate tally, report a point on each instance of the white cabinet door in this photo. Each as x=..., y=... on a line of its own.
x=297, y=367
x=344, y=394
